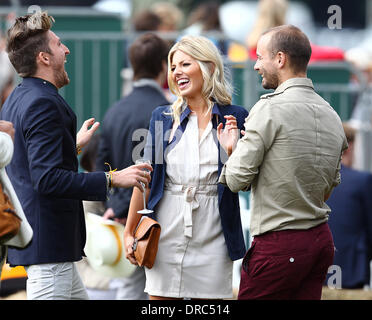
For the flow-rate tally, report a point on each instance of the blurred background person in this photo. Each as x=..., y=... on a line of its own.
x=7, y=73
x=270, y=13
x=142, y=21
x=273, y=13
x=204, y=18
x=351, y=220
x=361, y=118
x=171, y=17
x=146, y=20
x=97, y=284
x=124, y=132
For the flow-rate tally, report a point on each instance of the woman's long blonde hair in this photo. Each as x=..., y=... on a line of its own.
x=215, y=87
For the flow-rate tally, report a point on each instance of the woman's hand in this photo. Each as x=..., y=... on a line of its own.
x=129, y=253
x=228, y=136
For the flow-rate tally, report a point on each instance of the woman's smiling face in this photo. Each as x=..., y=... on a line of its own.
x=186, y=75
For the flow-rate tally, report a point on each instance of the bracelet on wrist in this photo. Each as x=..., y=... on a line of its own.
x=78, y=149
x=109, y=176
x=108, y=180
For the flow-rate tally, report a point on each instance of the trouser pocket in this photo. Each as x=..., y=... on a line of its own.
x=247, y=256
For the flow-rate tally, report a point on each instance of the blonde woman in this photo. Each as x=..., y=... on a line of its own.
x=201, y=227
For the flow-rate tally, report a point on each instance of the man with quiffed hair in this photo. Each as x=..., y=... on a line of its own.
x=44, y=168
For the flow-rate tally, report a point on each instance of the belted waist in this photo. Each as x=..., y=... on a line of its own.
x=207, y=189
x=191, y=203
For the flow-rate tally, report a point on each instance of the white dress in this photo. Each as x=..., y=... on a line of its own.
x=192, y=259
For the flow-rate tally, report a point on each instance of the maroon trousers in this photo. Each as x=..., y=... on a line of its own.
x=288, y=264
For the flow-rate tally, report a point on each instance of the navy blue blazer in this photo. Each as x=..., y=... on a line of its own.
x=44, y=173
x=157, y=143
x=350, y=222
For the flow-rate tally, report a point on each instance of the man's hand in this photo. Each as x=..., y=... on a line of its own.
x=7, y=127
x=85, y=133
x=132, y=176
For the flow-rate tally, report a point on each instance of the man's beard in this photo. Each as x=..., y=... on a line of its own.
x=271, y=80
x=61, y=78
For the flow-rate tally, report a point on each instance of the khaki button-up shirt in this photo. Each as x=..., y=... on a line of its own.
x=290, y=156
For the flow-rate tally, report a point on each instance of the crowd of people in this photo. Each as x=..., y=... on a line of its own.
x=291, y=150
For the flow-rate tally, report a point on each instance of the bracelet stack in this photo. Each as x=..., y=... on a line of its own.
x=109, y=177
x=108, y=180
x=78, y=149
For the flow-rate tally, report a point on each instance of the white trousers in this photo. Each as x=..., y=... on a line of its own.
x=54, y=281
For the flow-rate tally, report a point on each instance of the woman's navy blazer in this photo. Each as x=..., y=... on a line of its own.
x=157, y=145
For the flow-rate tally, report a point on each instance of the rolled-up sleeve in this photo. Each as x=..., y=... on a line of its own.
x=243, y=165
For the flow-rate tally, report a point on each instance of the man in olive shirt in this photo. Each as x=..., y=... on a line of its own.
x=290, y=157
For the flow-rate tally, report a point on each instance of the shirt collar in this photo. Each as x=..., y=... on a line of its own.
x=186, y=111
x=30, y=81
x=147, y=82
x=292, y=82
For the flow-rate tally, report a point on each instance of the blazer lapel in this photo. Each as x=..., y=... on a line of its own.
x=217, y=118
x=167, y=127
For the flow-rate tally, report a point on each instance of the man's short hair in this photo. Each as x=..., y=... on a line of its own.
x=293, y=42
x=26, y=39
x=146, y=55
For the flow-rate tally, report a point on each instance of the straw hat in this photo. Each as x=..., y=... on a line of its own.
x=104, y=247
